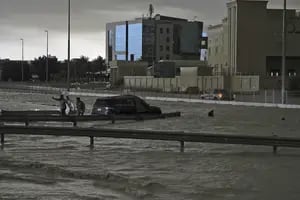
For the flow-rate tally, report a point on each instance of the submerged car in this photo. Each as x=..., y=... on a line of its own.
x=218, y=94
x=124, y=104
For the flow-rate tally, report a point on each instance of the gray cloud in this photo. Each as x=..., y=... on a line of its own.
x=29, y=19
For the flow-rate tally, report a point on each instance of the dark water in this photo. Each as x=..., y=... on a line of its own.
x=46, y=167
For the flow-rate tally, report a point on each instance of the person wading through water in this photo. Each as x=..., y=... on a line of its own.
x=62, y=104
x=70, y=106
x=80, y=107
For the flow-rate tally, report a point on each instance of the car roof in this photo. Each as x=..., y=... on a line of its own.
x=119, y=97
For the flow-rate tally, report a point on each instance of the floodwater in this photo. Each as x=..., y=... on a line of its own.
x=49, y=167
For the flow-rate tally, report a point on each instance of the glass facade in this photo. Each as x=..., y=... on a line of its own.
x=135, y=40
x=120, y=57
x=120, y=44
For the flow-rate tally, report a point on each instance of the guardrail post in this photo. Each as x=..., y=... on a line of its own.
x=113, y=120
x=74, y=122
x=275, y=146
x=2, y=138
x=181, y=146
x=274, y=149
x=91, y=141
x=26, y=122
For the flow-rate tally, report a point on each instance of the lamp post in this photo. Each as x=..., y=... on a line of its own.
x=283, y=53
x=47, y=57
x=22, y=67
x=68, y=70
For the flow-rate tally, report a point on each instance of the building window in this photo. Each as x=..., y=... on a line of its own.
x=120, y=39
x=161, y=47
x=161, y=30
x=168, y=30
x=216, y=50
x=167, y=48
x=120, y=42
x=167, y=39
x=209, y=51
x=135, y=40
x=167, y=57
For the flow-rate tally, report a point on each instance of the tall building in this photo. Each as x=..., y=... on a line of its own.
x=249, y=40
x=154, y=39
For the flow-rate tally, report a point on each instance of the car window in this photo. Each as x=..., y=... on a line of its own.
x=101, y=102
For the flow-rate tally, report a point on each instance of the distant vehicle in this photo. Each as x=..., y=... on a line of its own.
x=124, y=104
x=218, y=94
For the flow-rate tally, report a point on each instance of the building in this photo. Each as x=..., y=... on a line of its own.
x=119, y=69
x=173, y=68
x=249, y=40
x=218, y=47
x=154, y=39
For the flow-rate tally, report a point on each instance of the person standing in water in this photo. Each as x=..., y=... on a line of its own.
x=71, y=107
x=80, y=107
x=62, y=104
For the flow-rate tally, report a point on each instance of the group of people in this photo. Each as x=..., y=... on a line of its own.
x=67, y=107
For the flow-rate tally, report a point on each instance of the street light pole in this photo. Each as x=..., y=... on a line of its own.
x=68, y=70
x=283, y=53
x=22, y=67
x=47, y=62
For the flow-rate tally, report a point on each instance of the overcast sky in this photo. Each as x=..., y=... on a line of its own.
x=28, y=19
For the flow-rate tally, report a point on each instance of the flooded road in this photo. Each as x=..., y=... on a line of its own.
x=48, y=167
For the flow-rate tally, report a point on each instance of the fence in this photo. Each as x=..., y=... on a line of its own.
x=183, y=83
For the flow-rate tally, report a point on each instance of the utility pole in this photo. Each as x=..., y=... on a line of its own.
x=283, y=53
x=47, y=58
x=22, y=66
x=69, y=26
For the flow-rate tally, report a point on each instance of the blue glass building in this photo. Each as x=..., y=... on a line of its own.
x=153, y=39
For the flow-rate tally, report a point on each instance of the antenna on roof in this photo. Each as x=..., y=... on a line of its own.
x=151, y=10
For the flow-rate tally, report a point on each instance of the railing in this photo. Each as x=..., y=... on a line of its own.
x=179, y=136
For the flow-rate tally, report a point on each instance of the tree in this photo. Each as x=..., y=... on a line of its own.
x=12, y=70
x=39, y=67
x=98, y=65
x=79, y=67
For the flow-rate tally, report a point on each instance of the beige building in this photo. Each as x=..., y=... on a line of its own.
x=218, y=48
x=249, y=40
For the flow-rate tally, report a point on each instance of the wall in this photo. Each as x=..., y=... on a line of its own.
x=119, y=69
x=181, y=84
x=245, y=83
x=218, y=47
x=251, y=37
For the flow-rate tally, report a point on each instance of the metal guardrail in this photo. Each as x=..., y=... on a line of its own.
x=179, y=136
x=27, y=117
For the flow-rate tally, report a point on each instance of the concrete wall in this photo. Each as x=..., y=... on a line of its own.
x=218, y=47
x=119, y=69
x=182, y=83
x=245, y=83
